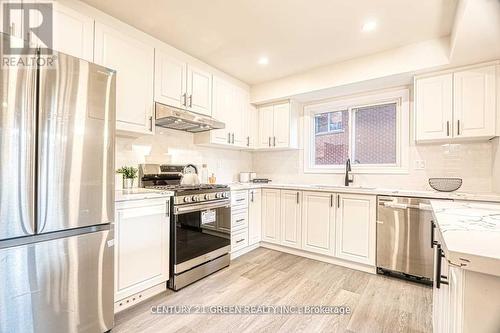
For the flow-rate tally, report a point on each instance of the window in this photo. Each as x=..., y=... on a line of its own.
x=368, y=130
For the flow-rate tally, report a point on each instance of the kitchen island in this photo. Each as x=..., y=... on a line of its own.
x=466, y=295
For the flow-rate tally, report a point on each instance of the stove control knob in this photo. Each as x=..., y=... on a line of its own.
x=217, y=195
x=207, y=196
x=186, y=199
x=194, y=198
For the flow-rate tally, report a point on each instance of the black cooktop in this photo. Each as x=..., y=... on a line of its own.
x=189, y=188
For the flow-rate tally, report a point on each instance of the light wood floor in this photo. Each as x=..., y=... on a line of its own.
x=266, y=277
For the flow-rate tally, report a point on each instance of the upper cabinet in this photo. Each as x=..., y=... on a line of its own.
x=474, y=102
x=133, y=60
x=278, y=126
x=456, y=105
x=182, y=85
x=230, y=104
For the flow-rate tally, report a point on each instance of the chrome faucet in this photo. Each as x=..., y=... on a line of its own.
x=348, y=177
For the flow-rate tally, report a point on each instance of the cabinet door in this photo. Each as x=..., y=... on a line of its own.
x=271, y=216
x=73, y=32
x=474, y=102
x=141, y=249
x=318, y=222
x=281, y=125
x=15, y=25
x=199, y=90
x=455, y=299
x=291, y=218
x=253, y=123
x=254, y=216
x=239, y=112
x=434, y=107
x=355, y=228
x=134, y=61
x=170, y=80
x=266, y=124
x=222, y=101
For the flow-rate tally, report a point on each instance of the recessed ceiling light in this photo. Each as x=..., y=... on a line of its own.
x=263, y=61
x=369, y=26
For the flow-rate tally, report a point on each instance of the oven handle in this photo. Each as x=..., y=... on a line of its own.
x=199, y=207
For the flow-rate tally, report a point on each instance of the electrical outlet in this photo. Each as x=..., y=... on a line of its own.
x=419, y=164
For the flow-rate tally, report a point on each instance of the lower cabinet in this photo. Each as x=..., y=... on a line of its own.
x=355, y=226
x=271, y=216
x=291, y=218
x=318, y=222
x=254, y=216
x=141, y=245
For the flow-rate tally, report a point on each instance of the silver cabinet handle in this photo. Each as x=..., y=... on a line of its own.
x=338, y=200
x=240, y=220
x=12, y=28
x=190, y=101
x=228, y=137
x=232, y=136
x=167, y=213
x=248, y=141
x=298, y=198
x=269, y=142
x=239, y=241
x=458, y=127
x=447, y=128
x=184, y=99
x=251, y=192
x=274, y=141
x=331, y=200
x=151, y=124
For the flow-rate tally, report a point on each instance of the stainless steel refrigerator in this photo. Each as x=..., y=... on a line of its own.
x=57, y=128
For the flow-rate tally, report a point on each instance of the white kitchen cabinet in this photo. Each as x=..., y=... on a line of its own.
x=254, y=216
x=291, y=218
x=133, y=60
x=356, y=228
x=456, y=105
x=182, y=85
x=72, y=31
x=199, y=90
x=15, y=26
x=170, y=80
x=434, y=107
x=230, y=105
x=266, y=123
x=318, y=222
x=474, y=102
x=252, y=120
x=271, y=216
x=141, y=245
x=278, y=126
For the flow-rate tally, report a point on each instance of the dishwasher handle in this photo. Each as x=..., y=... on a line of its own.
x=397, y=205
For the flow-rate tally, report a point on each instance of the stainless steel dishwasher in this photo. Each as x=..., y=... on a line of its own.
x=404, y=229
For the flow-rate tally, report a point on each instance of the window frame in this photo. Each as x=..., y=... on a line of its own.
x=399, y=96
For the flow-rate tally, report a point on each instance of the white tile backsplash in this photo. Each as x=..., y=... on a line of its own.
x=177, y=147
x=470, y=161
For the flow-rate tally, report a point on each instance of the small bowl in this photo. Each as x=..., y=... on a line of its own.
x=445, y=184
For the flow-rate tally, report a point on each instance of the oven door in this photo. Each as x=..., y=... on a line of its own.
x=202, y=233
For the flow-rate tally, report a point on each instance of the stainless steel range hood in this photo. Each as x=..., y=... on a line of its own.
x=182, y=120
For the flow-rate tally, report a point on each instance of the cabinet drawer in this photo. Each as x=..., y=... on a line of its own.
x=239, y=219
x=239, y=199
x=239, y=240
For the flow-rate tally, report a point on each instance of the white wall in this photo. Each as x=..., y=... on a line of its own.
x=176, y=147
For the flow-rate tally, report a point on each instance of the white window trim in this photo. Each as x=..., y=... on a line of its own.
x=400, y=96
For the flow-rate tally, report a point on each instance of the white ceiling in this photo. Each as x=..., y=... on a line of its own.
x=296, y=35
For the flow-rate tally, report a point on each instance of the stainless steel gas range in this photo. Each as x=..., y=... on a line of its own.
x=200, y=229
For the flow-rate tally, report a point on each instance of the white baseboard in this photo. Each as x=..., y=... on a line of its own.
x=247, y=249
x=139, y=297
x=320, y=257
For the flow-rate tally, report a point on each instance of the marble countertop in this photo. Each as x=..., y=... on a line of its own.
x=469, y=233
x=491, y=197
x=140, y=193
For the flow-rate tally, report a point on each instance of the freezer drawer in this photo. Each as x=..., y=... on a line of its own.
x=404, y=236
x=59, y=285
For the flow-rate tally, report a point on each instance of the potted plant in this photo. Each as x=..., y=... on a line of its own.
x=128, y=173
